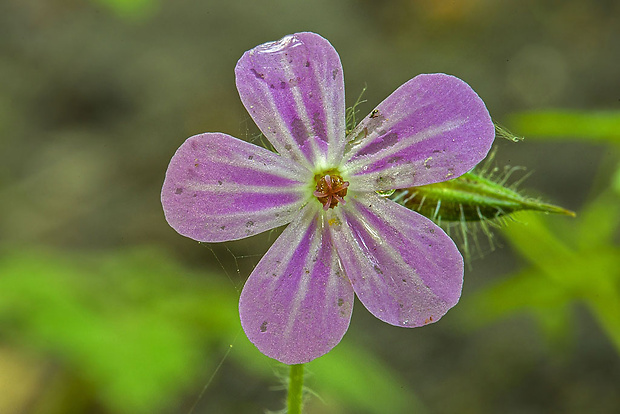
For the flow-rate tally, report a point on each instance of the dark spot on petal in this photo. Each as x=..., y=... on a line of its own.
x=334, y=74
x=258, y=75
x=299, y=132
x=263, y=326
x=380, y=144
x=287, y=147
x=379, y=271
x=319, y=127
x=179, y=190
x=194, y=195
x=431, y=230
x=390, y=139
x=282, y=85
x=196, y=165
x=250, y=223
x=374, y=113
x=307, y=63
x=401, y=305
x=340, y=301
x=251, y=157
x=343, y=313
x=219, y=182
x=222, y=227
x=404, y=280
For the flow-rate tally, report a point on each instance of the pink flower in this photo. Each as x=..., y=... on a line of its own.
x=342, y=237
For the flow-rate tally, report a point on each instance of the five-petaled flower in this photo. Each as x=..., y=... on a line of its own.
x=342, y=237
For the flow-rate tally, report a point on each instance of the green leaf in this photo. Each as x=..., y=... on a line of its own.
x=518, y=292
x=603, y=126
x=525, y=292
x=590, y=274
x=530, y=236
x=606, y=309
x=615, y=181
x=599, y=221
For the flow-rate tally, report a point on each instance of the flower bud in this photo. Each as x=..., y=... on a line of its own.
x=470, y=197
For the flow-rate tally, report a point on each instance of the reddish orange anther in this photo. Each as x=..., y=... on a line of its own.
x=330, y=190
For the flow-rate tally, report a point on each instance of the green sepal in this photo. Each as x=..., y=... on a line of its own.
x=470, y=197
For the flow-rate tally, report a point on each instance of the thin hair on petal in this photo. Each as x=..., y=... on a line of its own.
x=352, y=111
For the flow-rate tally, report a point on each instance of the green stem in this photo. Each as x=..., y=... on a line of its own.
x=295, y=387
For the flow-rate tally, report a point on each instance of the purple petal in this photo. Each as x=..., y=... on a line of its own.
x=220, y=188
x=431, y=129
x=296, y=305
x=403, y=267
x=294, y=90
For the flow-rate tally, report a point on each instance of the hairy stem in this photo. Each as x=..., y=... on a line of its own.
x=295, y=387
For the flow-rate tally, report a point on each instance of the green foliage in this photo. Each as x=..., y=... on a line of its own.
x=558, y=124
x=132, y=324
x=558, y=275
x=349, y=375
x=578, y=262
x=137, y=330
x=130, y=9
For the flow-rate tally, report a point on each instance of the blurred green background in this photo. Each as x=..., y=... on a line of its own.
x=105, y=309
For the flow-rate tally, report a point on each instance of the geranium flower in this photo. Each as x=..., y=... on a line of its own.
x=342, y=237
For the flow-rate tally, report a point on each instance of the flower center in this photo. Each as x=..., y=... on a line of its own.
x=330, y=190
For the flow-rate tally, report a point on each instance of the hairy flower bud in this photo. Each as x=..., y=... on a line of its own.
x=470, y=197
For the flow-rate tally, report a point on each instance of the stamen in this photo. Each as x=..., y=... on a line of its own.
x=330, y=190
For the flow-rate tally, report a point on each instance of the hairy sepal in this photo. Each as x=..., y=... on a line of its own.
x=470, y=197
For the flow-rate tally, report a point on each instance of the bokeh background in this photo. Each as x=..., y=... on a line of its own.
x=105, y=309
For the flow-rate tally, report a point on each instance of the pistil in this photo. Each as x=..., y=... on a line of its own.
x=331, y=190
